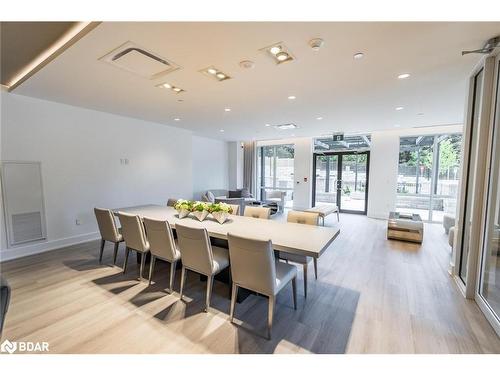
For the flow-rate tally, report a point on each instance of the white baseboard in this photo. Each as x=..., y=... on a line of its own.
x=41, y=247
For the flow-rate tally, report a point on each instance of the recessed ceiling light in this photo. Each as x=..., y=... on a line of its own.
x=399, y=108
x=215, y=73
x=227, y=109
x=403, y=76
x=397, y=126
x=278, y=52
x=275, y=50
x=292, y=97
x=222, y=130
x=319, y=118
x=177, y=119
x=358, y=56
x=171, y=87
x=282, y=56
x=268, y=125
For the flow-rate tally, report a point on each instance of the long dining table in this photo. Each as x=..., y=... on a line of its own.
x=309, y=240
x=292, y=238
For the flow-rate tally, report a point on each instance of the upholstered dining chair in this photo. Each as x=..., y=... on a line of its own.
x=171, y=202
x=236, y=209
x=198, y=255
x=309, y=218
x=108, y=229
x=257, y=212
x=135, y=238
x=254, y=267
x=162, y=245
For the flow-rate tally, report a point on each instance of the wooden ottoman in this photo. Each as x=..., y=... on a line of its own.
x=405, y=227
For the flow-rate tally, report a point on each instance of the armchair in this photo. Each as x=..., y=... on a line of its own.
x=275, y=196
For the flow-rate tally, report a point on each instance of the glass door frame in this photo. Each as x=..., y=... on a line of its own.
x=492, y=316
x=339, y=155
x=476, y=191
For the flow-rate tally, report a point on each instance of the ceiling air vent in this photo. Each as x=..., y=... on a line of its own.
x=140, y=61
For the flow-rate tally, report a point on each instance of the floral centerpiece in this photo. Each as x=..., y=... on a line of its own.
x=200, y=210
x=220, y=211
x=183, y=207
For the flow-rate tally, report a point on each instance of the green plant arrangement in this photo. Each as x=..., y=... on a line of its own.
x=220, y=211
x=220, y=207
x=183, y=207
x=200, y=210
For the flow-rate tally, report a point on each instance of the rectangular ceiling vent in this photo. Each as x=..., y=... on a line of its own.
x=140, y=61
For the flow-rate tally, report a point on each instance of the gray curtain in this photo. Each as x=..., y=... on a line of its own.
x=249, y=167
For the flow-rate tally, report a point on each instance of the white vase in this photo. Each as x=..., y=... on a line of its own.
x=200, y=215
x=220, y=216
x=183, y=213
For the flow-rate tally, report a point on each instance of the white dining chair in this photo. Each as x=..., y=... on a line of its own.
x=135, y=238
x=254, y=267
x=162, y=245
x=308, y=218
x=198, y=255
x=257, y=212
x=108, y=230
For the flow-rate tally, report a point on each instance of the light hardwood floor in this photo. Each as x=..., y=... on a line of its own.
x=372, y=296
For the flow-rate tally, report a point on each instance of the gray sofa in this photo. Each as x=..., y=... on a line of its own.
x=239, y=197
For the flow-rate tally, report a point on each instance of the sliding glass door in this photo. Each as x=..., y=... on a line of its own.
x=275, y=170
x=428, y=175
x=341, y=179
x=488, y=294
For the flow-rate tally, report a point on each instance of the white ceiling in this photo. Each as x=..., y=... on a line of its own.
x=351, y=95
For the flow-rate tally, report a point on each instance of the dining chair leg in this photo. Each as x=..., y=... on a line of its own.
x=143, y=261
x=115, y=253
x=294, y=292
x=101, y=251
x=127, y=251
x=151, y=268
x=210, y=283
x=338, y=216
x=270, y=316
x=315, y=262
x=183, y=280
x=305, y=280
x=234, y=295
x=172, y=276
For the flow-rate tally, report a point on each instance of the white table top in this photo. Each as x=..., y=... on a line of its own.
x=293, y=238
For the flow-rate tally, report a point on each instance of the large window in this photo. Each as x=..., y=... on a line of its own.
x=428, y=175
x=275, y=170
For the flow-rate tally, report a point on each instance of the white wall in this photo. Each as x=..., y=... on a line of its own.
x=80, y=152
x=384, y=159
x=210, y=165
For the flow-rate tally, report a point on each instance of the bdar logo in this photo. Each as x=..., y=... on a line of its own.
x=9, y=347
